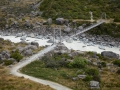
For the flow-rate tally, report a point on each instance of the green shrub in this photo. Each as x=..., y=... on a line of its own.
x=78, y=63
x=16, y=55
x=101, y=57
x=87, y=78
x=7, y=62
x=92, y=72
x=116, y=62
x=103, y=64
x=51, y=64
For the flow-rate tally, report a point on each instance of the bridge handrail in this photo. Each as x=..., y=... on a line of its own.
x=88, y=28
x=85, y=29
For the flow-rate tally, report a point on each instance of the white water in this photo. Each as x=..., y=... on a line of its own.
x=42, y=42
x=75, y=45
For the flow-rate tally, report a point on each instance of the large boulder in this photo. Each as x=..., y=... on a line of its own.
x=35, y=43
x=60, y=21
x=109, y=54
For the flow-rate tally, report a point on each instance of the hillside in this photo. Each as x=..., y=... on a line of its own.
x=79, y=9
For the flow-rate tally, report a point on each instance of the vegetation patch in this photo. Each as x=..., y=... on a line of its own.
x=79, y=9
x=63, y=69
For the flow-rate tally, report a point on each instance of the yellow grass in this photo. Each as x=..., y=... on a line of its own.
x=9, y=82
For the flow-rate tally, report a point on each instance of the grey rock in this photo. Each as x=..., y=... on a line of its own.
x=23, y=38
x=39, y=37
x=7, y=55
x=80, y=27
x=94, y=84
x=27, y=23
x=23, y=42
x=109, y=54
x=60, y=21
x=81, y=76
x=67, y=29
x=19, y=35
x=20, y=49
x=28, y=52
x=32, y=35
x=49, y=21
x=70, y=40
x=75, y=78
x=32, y=47
x=95, y=63
x=35, y=43
x=50, y=41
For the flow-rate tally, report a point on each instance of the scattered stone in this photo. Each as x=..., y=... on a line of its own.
x=94, y=84
x=75, y=78
x=95, y=63
x=81, y=76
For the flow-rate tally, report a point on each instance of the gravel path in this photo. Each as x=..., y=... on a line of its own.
x=15, y=70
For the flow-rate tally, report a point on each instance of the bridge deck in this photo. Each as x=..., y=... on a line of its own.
x=88, y=28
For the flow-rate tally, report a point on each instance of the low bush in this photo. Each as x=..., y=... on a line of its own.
x=51, y=64
x=78, y=62
x=7, y=62
x=103, y=64
x=92, y=72
x=87, y=78
x=116, y=62
x=16, y=55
